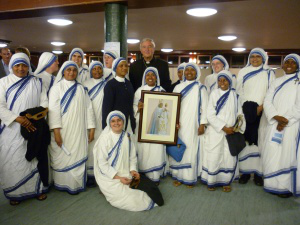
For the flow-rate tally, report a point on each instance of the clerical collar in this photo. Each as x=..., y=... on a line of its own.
x=120, y=79
x=146, y=63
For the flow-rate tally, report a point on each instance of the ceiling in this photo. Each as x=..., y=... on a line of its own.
x=270, y=24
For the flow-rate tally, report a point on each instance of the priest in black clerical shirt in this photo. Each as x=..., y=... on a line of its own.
x=137, y=68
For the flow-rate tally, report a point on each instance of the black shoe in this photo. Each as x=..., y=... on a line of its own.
x=91, y=182
x=244, y=178
x=258, y=180
x=285, y=195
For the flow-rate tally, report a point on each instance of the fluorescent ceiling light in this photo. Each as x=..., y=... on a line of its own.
x=239, y=49
x=167, y=50
x=57, y=52
x=201, y=12
x=60, y=22
x=227, y=38
x=57, y=43
x=2, y=45
x=132, y=41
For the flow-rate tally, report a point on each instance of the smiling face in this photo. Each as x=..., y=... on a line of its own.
x=76, y=57
x=256, y=60
x=223, y=83
x=217, y=66
x=108, y=61
x=116, y=124
x=190, y=73
x=70, y=73
x=290, y=66
x=122, y=69
x=150, y=79
x=20, y=70
x=147, y=50
x=97, y=72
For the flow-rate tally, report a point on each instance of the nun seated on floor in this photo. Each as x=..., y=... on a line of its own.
x=115, y=168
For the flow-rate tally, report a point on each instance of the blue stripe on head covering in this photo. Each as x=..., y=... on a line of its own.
x=71, y=64
x=192, y=66
x=116, y=115
x=150, y=70
x=258, y=53
x=111, y=54
x=220, y=59
x=180, y=68
x=224, y=75
x=51, y=61
x=79, y=51
x=95, y=64
x=18, y=61
x=117, y=63
x=293, y=57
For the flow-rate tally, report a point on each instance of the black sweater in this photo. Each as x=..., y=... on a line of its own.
x=118, y=96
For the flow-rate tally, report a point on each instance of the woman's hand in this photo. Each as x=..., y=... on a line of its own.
x=228, y=130
x=57, y=137
x=281, y=120
x=260, y=109
x=124, y=180
x=24, y=122
x=201, y=129
x=140, y=106
x=135, y=174
x=91, y=134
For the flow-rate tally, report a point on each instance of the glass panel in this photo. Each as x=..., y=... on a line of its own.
x=173, y=60
x=204, y=60
x=184, y=59
x=275, y=60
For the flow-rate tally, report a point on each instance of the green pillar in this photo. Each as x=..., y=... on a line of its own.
x=115, y=26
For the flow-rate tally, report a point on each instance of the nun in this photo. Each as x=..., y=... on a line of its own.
x=77, y=56
x=252, y=85
x=71, y=115
x=119, y=95
x=19, y=91
x=109, y=57
x=280, y=157
x=95, y=87
x=180, y=69
x=48, y=65
x=192, y=120
x=219, y=166
x=152, y=159
x=116, y=165
x=218, y=63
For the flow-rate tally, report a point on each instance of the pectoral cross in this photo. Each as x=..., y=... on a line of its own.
x=296, y=80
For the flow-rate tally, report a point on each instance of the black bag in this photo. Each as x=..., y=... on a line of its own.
x=148, y=186
x=236, y=143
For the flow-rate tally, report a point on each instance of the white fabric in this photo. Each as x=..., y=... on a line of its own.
x=254, y=89
x=69, y=171
x=83, y=70
x=281, y=161
x=44, y=62
x=15, y=60
x=219, y=166
x=14, y=168
x=115, y=192
x=188, y=170
x=152, y=158
x=97, y=107
x=46, y=77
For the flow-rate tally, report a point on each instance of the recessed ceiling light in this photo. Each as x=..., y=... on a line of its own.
x=167, y=50
x=2, y=45
x=227, y=38
x=132, y=41
x=170, y=62
x=239, y=49
x=57, y=43
x=57, y=52
x=102, y=50
x=201, y=12
x=60, y=22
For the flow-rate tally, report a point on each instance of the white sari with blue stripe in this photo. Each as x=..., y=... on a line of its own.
x=71, y=110
x=152, y=158
x=115, y=154
x=48, y=80
x=192, y=113
x=19, y=178
x=281, y=155
x=211, y=82
x=219, y=166
x=95, y=89
x=252, y=85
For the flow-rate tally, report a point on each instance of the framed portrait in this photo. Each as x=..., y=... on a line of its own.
x=159, y=117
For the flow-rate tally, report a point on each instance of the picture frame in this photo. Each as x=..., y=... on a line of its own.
x=159, y=117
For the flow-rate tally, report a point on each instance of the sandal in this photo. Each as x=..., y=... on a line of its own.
x=41, y=197
x=227, y=188
x=211, y=188
x=13, y=203
x=190, y=186
x=176, y=183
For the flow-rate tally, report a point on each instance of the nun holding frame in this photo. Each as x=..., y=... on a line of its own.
x=159, y=117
